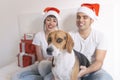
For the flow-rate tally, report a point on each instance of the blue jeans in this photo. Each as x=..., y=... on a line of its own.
x=98, y=75
x=37, y=71
x=42, y=71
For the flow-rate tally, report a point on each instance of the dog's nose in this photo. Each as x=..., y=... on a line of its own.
x=49, y=50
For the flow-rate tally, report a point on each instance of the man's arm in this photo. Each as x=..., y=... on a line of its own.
x=96, y=65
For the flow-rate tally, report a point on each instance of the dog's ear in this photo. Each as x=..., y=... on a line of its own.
x=69, y=43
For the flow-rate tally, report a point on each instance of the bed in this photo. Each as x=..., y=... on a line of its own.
x=7, y=72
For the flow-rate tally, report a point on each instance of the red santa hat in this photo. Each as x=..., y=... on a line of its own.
x=52, y=11
x=92, y=10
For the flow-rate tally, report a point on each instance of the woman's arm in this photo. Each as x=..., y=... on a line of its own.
x=39, y=53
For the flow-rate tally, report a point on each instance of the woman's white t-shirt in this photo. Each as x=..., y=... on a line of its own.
x=96, y=40
x=41, y=41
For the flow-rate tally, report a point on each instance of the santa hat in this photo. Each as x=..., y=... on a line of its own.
x=51, y=11
x=92, y=10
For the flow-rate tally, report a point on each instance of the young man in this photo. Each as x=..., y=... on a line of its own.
x=90, y=42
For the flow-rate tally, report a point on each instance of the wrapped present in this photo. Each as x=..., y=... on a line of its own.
x=27, y=47
x=26, y=44
x=27, y=55
x=25, y=60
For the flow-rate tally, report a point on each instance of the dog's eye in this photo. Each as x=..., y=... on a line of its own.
x=49, y=40
x=59, y=40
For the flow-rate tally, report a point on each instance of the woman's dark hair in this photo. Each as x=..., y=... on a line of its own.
x=50, y=16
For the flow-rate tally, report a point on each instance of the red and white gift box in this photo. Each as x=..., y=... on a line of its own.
x=25, y=59
x=27, y=47
x=27, y=55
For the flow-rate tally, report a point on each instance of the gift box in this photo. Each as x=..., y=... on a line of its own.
x=27, y=55
x=25, y=59
x=26, y=43
x=27, y=47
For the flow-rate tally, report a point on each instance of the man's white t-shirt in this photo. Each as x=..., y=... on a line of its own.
x=41, y=41
x=96, y=40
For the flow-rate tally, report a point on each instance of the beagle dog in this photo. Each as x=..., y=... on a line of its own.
x=66, y=61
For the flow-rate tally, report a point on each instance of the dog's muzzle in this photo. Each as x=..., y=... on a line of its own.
x=49, y=50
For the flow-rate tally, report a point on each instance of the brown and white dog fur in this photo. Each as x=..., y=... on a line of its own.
x=65, y=65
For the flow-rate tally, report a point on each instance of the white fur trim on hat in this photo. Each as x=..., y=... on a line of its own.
x=51, y=13
x=88, y=12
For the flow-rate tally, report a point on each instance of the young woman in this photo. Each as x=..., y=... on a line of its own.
x=51, y=19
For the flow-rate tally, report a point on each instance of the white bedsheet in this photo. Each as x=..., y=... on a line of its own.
x=7, y=71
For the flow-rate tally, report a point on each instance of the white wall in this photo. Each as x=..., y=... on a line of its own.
x=24, y=16
x=116, y=37
x=9, y=34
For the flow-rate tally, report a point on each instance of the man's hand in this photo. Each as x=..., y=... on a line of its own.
x=83, y=71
